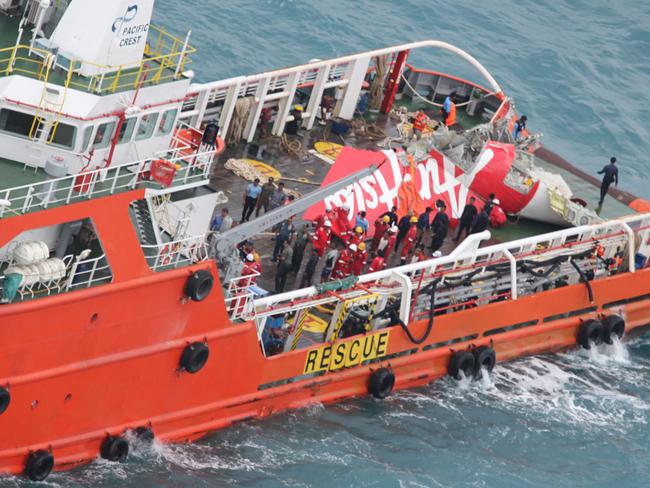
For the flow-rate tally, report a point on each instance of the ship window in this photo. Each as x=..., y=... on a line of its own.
x=167, y=122
x=64, y=135
x=146, y=127
x=103, y=135
x=88, y=132
x=17, y=123
x=126, y=131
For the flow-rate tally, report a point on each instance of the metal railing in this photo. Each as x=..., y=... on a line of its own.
x=472, y=277
x=166, y=57
x=191, y=168
x=239, y=297
x=175, y=254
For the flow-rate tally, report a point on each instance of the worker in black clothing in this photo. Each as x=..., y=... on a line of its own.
x=285, y=259
x=291, y=128
x=403, y=226
x=467, y=218
x=481, y=221
x=440, y=228
x=490, y=203
x=610, y=175
x=392, y=215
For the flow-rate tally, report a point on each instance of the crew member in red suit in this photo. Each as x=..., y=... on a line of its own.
x=343, y=266
x=381, y=226
x=343, y=222
x=497, y=215
x=251, y=267
x=360, y=259
x=387, y=243
x=409, y=239
x=322, y=237
x=328, y=215
x=377, y=264
x=419, y=254
x=358, y=236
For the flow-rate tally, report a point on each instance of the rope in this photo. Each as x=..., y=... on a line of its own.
x=458, y=105
x=292, y=146
x=370, y=131
x=377, y=87
x=249, y=172
x=238, y=125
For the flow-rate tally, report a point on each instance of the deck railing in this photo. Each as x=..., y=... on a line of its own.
x=175, y=254
x=191, y=169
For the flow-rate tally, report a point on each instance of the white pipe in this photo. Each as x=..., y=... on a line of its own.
x=183, y=52
x=631, y=247
x=43, y=5
x=407, y=289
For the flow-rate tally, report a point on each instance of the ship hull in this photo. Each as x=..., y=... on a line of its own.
x=103, y=361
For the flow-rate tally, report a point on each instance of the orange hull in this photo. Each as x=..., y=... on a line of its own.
x=104, y=360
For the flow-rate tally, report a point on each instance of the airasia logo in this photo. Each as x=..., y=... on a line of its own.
x=392, y=185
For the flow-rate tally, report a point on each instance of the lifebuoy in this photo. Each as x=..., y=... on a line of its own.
x=39, y=465
x=381, y=382
x=194, y=357
x=484, y=359
x=461, y=361
x=613, y=325
x=199, y=285
x=5, y=399
x=115, y=448
x=144, y=434
x=590, y=332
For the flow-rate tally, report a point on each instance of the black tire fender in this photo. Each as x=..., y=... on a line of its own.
x=39, y=465
x=115, y=448
x=144, y=434
x=381, y=382
x=613, y=325
x=484, y=358
x=5, y=399
x=194, y=357
x=461, y=361
x=199, y=285
x=590, y=331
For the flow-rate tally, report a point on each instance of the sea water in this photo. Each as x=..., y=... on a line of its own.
x=580, y=70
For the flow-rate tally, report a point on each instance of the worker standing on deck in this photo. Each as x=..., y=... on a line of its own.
x=358, y=236
x=285, y=234
x=330, y=261
x=278, y=197
x=409, y=240
x=329, y=214
x=251, y=268
x=498, y=217
x=359, y=259
x=343, y=222
x=490, y=203
x=343, y=266
x=403, y=227
x=310, y=269
x=440, y=228
x=481, y=221
x=381, y=226
x=299, y=245
x=392, y=215
x=263, y=200
x=610, y=175
x=322, y=238
x=362, y=221
x=419, y=124
x=467, y=218
x=251, y=195
x=221, y=222
x=419, y=255
x=387, y=243
x=424, y=224
x=291, y=127
x=284, y=266
x=519, y=127
x=449, y=110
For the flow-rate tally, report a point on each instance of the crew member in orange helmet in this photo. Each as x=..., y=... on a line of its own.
x=360, y=259
x=358, y=236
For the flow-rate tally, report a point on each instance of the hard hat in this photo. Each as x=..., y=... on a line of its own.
x=299, y=108
x=362, y=246
x=353, y=247
x=250, y=257
x=358, y=229
x=496, y=201
x=393, y=229
x=328, y=207
x=327, y=223
x=437, y=254
x=413, y=220
x=386, y=218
